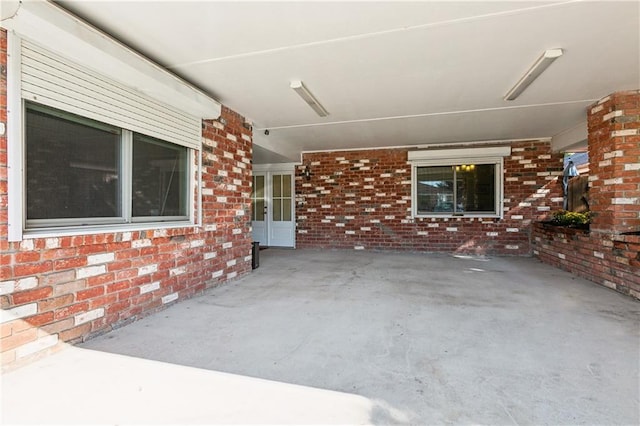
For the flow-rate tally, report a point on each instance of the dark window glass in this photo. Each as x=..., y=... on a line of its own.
x=159, y=186
x=475, y=185
x=435, y=189
x=461, y=188
x=73, y=167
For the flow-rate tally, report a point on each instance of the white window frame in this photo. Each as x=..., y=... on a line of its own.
x=16, y=161
x=125, y=178
x=453, y=157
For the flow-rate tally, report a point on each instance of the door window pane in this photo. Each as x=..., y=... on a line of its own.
x=286, y=209
x=286, y=186
x=277, y=185
x=281, y=198
x=259, y=210
x=257, y=196
x=277, y=210
x=73, y=166
x=259, y=186
x=159, y=184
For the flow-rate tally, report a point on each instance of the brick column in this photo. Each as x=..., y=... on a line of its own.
x=614, y=163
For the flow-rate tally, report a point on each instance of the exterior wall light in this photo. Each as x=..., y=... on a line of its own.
x=306, y=173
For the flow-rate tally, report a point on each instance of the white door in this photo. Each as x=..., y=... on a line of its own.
x=272, y=212
x=281, y=225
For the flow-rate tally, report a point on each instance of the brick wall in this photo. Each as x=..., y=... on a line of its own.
x=66, y=289
x=362, y=200
x=604, y=254
x=607, y=259
x=614, y=162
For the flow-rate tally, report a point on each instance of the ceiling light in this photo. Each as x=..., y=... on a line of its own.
x=305, y=94
x=534, y=72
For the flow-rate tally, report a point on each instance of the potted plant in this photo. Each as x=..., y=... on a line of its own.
x=571, y=219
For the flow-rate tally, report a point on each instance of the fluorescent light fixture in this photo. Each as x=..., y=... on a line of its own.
x=308, y=97
x=534, y=72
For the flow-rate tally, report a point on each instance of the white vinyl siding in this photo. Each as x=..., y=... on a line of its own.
x=51, y=80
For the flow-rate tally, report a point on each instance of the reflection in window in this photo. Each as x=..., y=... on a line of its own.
x=435, y=189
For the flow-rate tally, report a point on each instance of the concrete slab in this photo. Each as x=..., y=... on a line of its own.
x=357, y=337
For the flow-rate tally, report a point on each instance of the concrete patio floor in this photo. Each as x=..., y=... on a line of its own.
x=357, y=337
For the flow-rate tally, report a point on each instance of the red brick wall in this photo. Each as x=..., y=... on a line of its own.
x=607, y=259
x=68, y=288
x=614, y=162
x=604, y=254
x=362, y=200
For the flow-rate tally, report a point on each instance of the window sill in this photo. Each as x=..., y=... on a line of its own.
x=102, y=229
x=458, y=216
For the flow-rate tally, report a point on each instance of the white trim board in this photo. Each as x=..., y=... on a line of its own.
x=457, y=153
x=442, y=145
x=275, y=167
x=15, y=167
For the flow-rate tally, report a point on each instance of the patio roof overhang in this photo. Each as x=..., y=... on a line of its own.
x=52, y=26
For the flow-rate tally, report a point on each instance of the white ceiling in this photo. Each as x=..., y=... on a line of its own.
x=389, y=73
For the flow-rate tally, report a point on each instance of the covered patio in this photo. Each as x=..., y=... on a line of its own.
x=337, y=337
